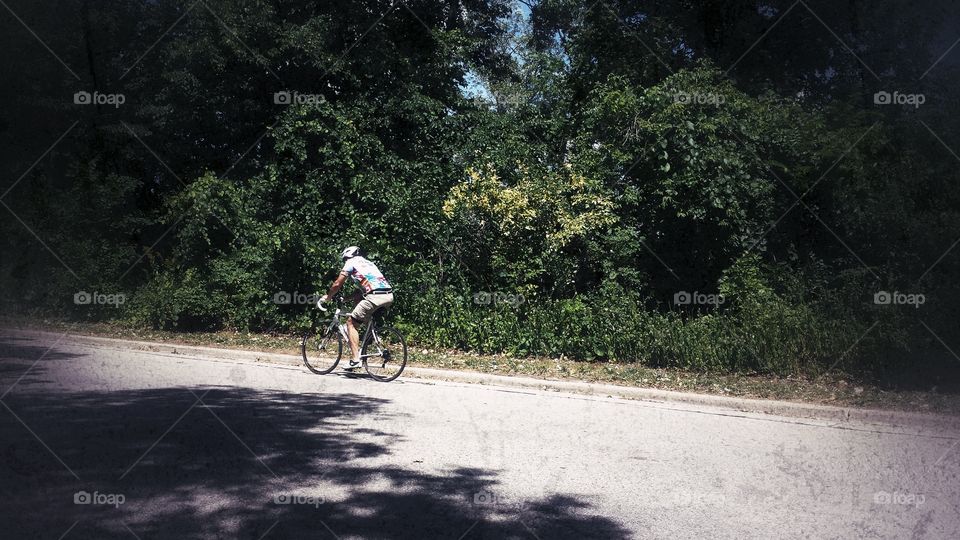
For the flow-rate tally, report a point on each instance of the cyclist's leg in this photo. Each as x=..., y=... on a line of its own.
x=354, y=337
x=366, y=309
x=361, y=314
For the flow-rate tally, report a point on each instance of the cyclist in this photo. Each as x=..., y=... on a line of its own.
x=375, y=294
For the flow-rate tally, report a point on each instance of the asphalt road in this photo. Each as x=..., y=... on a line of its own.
x=103, y=443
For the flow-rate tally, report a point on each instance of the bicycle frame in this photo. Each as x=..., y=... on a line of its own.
x=392, y=352
x=336, y=321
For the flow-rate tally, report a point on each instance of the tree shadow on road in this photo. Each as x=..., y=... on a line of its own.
x=17, y=349
x=18, y=356
x=234, y=462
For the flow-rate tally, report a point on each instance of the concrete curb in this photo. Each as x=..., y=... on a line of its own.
x=769, y=407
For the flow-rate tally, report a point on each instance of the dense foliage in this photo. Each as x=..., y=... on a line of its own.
x=707, y=185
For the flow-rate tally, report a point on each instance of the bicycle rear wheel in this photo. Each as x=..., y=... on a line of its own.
x=389, y=352
x=321, y=354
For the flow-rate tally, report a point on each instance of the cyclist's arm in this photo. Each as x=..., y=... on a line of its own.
x=337, y=284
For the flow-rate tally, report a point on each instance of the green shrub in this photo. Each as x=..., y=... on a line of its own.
x=175, y=302
x=758, y=332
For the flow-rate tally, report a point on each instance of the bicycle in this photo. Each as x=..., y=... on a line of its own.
x=322, y=351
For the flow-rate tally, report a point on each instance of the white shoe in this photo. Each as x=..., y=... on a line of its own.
x=354, y=364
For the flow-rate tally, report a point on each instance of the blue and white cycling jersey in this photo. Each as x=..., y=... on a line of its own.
x=366, y=274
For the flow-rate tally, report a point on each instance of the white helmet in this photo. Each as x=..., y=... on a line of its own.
x=351, y=251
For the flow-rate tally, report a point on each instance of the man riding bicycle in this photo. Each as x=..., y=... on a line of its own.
x=375, y=294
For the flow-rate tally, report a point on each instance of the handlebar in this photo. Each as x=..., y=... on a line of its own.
x=336, y=299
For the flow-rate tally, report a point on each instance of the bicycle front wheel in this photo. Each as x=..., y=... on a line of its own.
x=385, y=354
x=321, y=354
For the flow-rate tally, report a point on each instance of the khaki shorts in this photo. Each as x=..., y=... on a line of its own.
x=370, y=304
